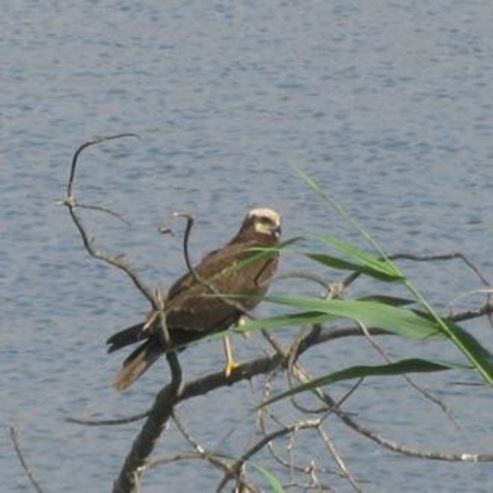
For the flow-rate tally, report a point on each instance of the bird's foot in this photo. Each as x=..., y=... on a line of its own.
x=231, y=365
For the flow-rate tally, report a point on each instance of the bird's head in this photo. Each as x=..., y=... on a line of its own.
x=263, y=221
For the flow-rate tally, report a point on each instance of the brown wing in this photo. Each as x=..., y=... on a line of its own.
x=231, y=270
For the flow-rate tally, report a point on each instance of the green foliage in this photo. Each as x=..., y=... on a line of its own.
x=366, y=263
x=289, y=320
x=272, y=480
x=370, y=313
x=382, y=268
x=402, y=367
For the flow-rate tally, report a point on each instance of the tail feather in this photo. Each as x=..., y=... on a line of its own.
x=137, y=363
x=126, y=337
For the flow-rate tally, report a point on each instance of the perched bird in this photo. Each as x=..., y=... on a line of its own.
x=192, y=310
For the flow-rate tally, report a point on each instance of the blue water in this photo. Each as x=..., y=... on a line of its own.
x=387, y=104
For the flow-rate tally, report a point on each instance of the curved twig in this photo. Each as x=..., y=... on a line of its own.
x=425, y=393
x=107, y=422
x=106, y=211
x=71, y=204
x=314, y=423
x=24, y=464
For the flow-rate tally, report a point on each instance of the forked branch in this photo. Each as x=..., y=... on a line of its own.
x=71, y=203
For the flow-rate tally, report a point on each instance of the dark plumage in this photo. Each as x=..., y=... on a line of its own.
x=191, y=311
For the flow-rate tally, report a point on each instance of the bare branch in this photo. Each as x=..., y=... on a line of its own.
x=427, y=395
x=24, y=464
x=173, y=458
x=261, y=444
x=96, y=140
x=71, y=204
x=441, y=257
x=394, y=446
x=107, y=422
x=425, y=258
x=215, y=459
x=158, y=416
x=303, y=275
x=105, y=210
x=342, y=466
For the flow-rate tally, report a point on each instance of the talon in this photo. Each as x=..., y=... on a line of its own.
x=231, y=364
x=230, y=367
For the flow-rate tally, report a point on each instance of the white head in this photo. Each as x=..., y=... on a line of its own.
x=265, y=221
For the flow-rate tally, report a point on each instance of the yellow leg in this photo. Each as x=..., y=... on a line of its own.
x=231, y=364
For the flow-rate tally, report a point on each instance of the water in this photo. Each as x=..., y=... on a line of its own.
x=387, y=105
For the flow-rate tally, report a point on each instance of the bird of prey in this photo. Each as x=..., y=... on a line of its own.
x=192, y=306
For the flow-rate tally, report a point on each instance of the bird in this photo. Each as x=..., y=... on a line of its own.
x=193, y=308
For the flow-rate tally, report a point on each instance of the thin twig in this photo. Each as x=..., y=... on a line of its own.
x=95, y=141
x=105, y=210
x=440, y=257
x=108, y=422
x=71, y=204
x=338, y=459
x=394, y=446
x=303, y=275
x=212, y=457
x=262, y=443
x=425, y=258
x=425, y=393
x=24, y=464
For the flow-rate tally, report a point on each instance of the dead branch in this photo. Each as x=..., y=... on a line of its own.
x=158, y=416
x=25, y=466
x=391, y=445
x=71, y=203
x=215, y=459
x=338, y=459
x=425, y=393
x=108, y=422
x=308, y=424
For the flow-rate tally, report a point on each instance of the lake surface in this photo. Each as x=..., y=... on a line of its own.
x=388, y=105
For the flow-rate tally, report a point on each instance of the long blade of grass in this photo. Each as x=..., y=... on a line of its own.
x=388, y=300
x=335, y=205
x=292, y=319
x=371, y=313
x=272, y=480
x=412, y=365
x=477, y=354
x=384, y=267
x=340, y=264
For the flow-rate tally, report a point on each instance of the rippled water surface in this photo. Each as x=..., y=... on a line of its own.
x=387, y=104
